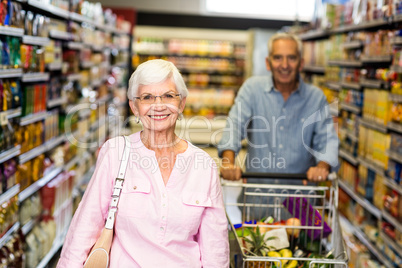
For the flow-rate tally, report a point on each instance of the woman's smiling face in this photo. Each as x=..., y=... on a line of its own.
x=160, y=113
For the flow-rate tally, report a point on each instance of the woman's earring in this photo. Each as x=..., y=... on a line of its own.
x=180, y=117
x=137, y=119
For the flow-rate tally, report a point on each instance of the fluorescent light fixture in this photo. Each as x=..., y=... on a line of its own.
x=266, y=9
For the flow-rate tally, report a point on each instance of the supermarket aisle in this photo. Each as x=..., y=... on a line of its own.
x=358, y=66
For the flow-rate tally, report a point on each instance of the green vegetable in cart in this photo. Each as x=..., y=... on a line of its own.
x=256, y=243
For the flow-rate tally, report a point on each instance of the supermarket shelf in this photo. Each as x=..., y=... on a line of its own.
x=84, y=113
x=373, y=125
x=6, y=30
x=370, y=83
x=75, y=45
x=348, y=156
x=314, y=69
x=314, y=34
x=32, y=118
x=11, y=113
x=390, y=241
x=351, y=85
x=104, y=99
x=32, y=154
x=35, y=40
x=96, y=83
x=54, y=66
x=106, y=28
x=206, y=70
x=56, y=34
x=350, y=107
x=71, y=163
x=6, y=237
x=80, y=18
x=361, y=26
x=352, y=44
x=395, y=98
x=349, y=134
x=118, y=31
x=396, y=223
x=7, y=155
x=84, y=180
x=9, y=73
x=395, y=126
x=75, y=37
x=35, y=77
x=56, y=102
x=393, y=185
x=95, y=125
x=97, y=48
x=369, y=164
x=376, y=59
x=57, y=244
x=33, y=188
x=333, y=85
x=363, y=238
x=53, y=142
x=123, y=64
x=152, y=52
x=60, y=208
x=87, y=64
x=28, y=226
x=345, y=63
x=13, y=191
x=126, y=49
x=397, y=40
x=396, y=68
x=362, y=201
x=41, y=149
x=395, y=156
x=49, y=8
x=74, y=77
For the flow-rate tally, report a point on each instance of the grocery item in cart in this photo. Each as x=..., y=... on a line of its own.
x=302, y=209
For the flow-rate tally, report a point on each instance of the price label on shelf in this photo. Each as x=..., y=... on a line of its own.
x=3, y=118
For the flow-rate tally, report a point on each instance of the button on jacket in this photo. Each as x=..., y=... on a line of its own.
x=283, y=137
x=182, y=224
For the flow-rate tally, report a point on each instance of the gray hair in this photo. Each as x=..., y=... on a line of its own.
x=154, y=72
x=288, y=36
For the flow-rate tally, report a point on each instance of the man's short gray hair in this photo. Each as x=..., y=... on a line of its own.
x=288, y=36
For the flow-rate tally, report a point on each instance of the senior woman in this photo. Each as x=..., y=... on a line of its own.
x=170, y=212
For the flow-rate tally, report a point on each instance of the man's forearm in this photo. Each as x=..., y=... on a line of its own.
x=325, y=165
x=228, y=158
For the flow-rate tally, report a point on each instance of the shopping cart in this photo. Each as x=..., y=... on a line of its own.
x=308, y=214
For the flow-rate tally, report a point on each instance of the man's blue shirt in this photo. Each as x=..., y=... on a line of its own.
x=282, y=137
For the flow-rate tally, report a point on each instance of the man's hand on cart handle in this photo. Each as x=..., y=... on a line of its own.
x=231, y=172
x=318, y=173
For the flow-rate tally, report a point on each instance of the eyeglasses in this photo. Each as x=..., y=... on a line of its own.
x=165, y=98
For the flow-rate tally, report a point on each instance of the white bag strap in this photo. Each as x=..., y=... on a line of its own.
x=118, y=186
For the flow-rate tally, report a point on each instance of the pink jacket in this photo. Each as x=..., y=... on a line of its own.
x=182, y=224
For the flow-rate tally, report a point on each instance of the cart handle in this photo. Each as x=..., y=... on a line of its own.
x=293, y=176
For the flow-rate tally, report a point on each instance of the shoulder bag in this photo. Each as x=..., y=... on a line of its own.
x=99, y=255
